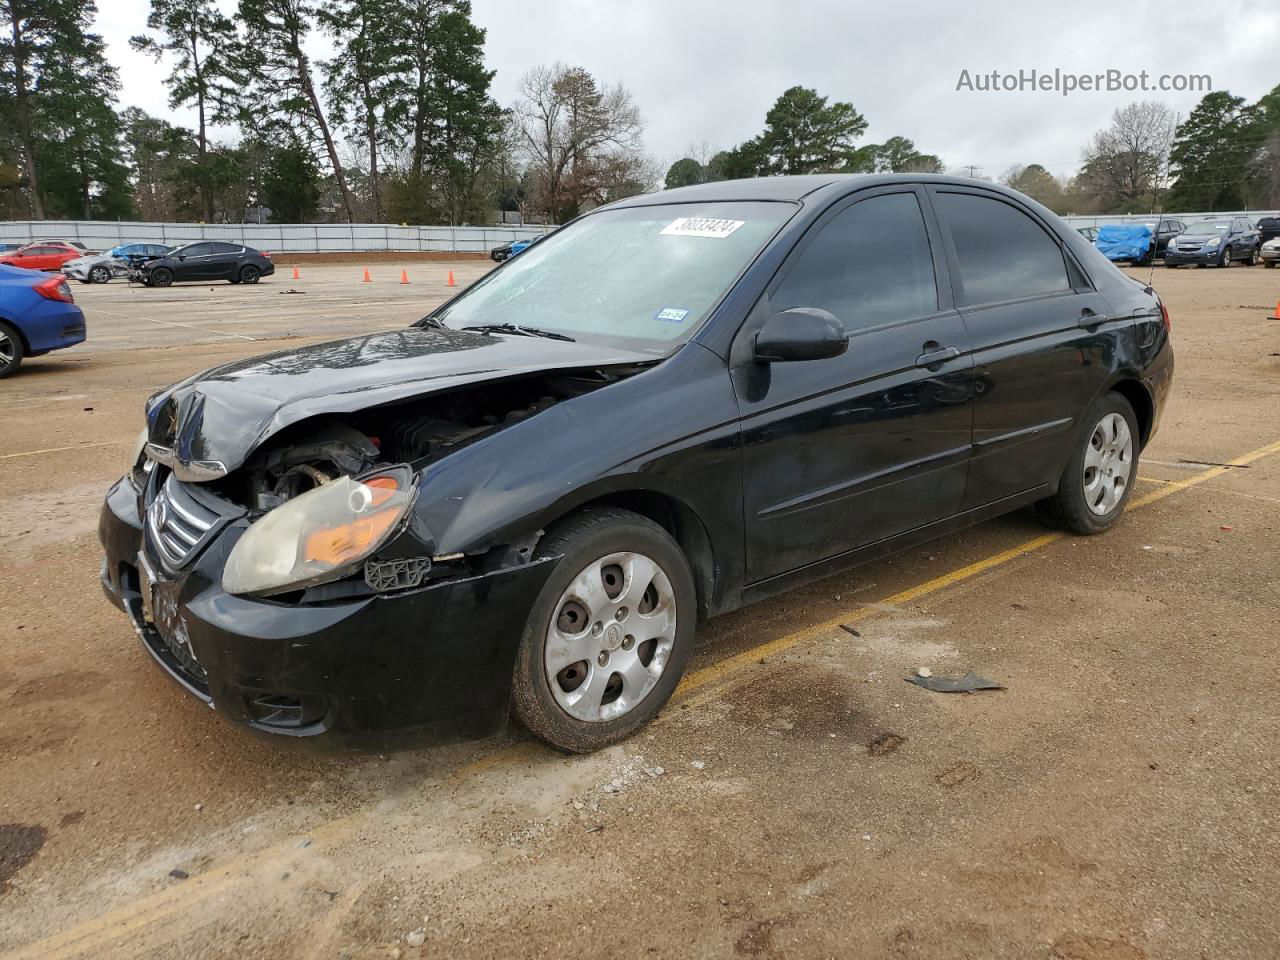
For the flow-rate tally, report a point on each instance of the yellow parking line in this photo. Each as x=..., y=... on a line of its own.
x=78, y=446
x=92, y=935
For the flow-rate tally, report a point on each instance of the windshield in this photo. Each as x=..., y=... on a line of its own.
x=1208, y=226
x=643, y=278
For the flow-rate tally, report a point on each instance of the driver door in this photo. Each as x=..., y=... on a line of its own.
x=843, y=452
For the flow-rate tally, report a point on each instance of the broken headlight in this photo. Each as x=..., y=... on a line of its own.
x=319, y=535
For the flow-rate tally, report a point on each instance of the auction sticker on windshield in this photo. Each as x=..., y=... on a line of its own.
x=701, y=227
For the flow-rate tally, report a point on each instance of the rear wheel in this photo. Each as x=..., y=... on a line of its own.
x=249, y=274
x=10, y=350
x=161, y=277
x=1252, y=259
x=100, y=274
x=610, y=633
x=1097, y=481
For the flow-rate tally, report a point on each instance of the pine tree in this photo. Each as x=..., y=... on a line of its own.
x=200, y=40
x=272, y=53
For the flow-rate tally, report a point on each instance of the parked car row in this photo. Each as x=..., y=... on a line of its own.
x=1211, y=241
x=153, y=264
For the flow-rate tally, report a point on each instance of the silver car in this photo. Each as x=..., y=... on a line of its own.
x=101, y=267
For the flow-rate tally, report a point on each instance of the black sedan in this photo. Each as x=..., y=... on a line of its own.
x=205, y=260
x=678, y=404
x=502, y=252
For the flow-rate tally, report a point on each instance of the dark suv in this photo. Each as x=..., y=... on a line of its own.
x=1216, y=240
x=528, y=500
x=205, y=260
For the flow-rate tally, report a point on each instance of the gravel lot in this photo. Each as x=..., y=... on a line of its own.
x=1120, y=800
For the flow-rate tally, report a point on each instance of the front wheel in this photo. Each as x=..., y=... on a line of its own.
x=1225, y=259
x=10, y=350
x=1099, y=477
x=161, y=277
x=1269, y=264
x=249, y=274
x=610, y=633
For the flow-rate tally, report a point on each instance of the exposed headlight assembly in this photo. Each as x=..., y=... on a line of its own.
x=320, y=535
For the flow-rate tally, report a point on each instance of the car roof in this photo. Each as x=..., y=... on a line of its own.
x=795, y=188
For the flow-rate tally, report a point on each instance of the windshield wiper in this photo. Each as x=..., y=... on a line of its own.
x=520, y=331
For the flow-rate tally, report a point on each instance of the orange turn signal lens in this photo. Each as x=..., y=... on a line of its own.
x=335, y=546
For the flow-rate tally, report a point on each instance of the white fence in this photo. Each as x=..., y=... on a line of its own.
x=273, y=238
x=1102, y=220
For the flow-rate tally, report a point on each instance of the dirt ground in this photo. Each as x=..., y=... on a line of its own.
x=1120, y=800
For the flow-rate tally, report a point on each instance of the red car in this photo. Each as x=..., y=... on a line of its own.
x=43, y=255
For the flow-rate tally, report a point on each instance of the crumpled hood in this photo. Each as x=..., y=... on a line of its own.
x=223, y=414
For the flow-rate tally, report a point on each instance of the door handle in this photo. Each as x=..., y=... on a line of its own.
x=934, y=355
x=1091, y=318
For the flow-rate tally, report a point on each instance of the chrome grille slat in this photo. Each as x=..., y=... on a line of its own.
x=176, y=524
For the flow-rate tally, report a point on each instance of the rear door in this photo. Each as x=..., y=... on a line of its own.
x=1027, y=306
x=38, y=258
x=223, y=261
x=846, y=451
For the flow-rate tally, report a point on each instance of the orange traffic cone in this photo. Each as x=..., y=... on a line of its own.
x=404, y=276
x=367, y=278
x=450, y=283
x=1276, y=315
x=296, y=274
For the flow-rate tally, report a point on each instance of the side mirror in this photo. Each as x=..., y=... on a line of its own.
x=182, y=256
x=801, y=333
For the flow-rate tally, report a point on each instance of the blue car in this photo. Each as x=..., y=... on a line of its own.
x=37, y=314
x=521, y=245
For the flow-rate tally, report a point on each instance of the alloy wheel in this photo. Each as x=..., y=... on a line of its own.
x=1108, y=463
x=99, y=274
x=7, y=350
x=610, y=637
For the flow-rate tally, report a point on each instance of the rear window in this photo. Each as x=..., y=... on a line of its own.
x=1003, y=253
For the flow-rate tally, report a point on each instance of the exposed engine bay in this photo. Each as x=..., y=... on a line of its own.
x=418, y=432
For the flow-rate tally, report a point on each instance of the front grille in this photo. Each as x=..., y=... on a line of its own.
x=1189, y=247
x=177, y=525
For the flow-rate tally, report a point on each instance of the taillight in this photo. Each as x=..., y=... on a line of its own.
x=55, y=288
x=1164, y=316
x=267, y=255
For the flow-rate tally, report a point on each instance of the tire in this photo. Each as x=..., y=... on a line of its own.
x=11, y=352
x=1252, y=259
x=1224, y=259
x=595, y=546
x=160, y=277
x=1171, y=266
x=1075, y=507
x=1269, y=264
x=249, y=274
x=100, y=274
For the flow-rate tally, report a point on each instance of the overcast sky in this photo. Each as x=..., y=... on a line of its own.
x=707, y=72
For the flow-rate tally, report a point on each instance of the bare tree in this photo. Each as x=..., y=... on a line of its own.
x=576, y=135
x=1124, y=163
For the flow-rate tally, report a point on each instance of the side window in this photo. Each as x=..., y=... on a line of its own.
x=1003, y=253
x=224, y=248
x=197, y=250
x=869, y=265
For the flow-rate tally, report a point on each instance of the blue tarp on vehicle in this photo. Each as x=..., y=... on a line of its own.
x=1124, y=242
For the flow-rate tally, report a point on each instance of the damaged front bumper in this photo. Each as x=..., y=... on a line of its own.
x=425, y=665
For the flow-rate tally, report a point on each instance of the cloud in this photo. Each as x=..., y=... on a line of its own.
x=708, y=72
